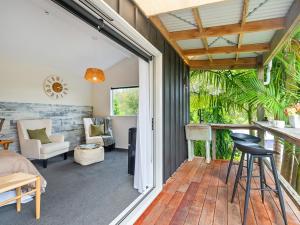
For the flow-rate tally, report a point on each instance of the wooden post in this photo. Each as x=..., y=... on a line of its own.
x=207, y=150
x=190, y=150
x=278, y=147
x=38, y=198
x=214, y=144
x=260, y=109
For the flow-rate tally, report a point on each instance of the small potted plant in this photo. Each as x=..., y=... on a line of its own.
x=293, y=113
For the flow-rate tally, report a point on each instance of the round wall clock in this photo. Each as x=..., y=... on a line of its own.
x=55, y=87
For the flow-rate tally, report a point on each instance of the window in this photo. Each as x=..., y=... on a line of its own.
x=124, y=101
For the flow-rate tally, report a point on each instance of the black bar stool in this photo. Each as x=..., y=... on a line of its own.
x=250, y=139
x=260, y=153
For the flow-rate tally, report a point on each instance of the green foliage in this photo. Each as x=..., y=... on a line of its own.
x=217, y=115
x=116, y=109
x=125, y=101
x=232, y=96
x=209, y=88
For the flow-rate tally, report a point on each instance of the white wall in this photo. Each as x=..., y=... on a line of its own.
x=52, y=43
x=23, y=82
x=125, y=73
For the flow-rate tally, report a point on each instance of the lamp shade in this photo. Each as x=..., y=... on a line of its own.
x=94, y=75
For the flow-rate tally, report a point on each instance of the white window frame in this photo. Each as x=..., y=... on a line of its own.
x=112, y=99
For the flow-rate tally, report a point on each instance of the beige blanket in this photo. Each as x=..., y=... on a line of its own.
x=11, y=162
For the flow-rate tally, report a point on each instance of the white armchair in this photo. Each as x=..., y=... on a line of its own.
x=87, y=130
x=33, y=149
x=107, y=140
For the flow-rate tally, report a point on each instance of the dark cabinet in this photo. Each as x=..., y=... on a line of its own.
x=131, y=149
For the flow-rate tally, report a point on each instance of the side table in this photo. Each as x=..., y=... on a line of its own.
x=5, y=143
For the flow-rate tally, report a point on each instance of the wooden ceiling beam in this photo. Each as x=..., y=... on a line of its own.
x=200, y=28
x=264, y=47
x=159, y=25
x=224, y=67
x=243, y=21
x=280, y=37
x=256, y=26
x=242, y=63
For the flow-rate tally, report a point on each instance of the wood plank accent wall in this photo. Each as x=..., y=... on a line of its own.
x=175, y=86
x=66, y=120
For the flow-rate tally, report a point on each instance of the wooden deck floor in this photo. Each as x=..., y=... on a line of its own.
x=197, y=194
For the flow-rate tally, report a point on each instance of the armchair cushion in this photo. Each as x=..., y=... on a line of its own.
x=39, y=134
x=97, y=130
x=52, y=147
x=56, y=138
x=95, y=140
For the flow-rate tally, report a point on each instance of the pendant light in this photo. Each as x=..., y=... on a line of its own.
x=94, y=75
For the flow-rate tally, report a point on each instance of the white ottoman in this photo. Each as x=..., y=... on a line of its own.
x=88, y=154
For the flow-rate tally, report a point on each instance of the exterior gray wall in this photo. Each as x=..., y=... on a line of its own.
x=175, y=86
x=66, y=119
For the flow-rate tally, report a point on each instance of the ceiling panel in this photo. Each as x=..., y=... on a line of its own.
x=179, y=20
x=227, y=40
x=249, y=55
x=224, y=56
x=221, y=13
x=190, y=44
x=258, y=37
x=260, y=9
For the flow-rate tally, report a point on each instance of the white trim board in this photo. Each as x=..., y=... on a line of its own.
x=145, y=199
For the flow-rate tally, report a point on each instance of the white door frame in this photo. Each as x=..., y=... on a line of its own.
x=136, y=208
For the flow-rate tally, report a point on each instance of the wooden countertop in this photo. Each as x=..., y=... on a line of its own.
x=217, y=126
x=290, y=134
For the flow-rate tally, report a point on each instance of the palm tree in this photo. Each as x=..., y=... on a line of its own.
x=241, y=90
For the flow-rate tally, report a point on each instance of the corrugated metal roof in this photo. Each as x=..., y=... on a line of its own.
x=179, y=20
x=223, y=56
x=227, y=40
x=268, y=10
x=258, y=37
x=249, y=55
x=225, y=13
x=221, y=13
x=190, y=44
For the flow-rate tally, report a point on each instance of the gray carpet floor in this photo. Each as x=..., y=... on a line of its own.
x=79, y=195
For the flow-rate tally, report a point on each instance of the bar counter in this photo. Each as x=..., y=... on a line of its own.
x=291, y=135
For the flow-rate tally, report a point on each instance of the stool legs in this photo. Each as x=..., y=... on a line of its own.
x=262, y=178
x=248, y=188
x=230, y=162
x=250, y=163
x=278, y=188
x=238, y=176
